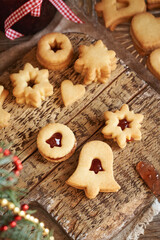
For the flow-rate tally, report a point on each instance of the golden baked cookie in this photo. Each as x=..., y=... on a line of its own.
x=4, y=116
x=113, y=14
x=123, y=126
x=145, y=32
x=71, y=93
x=54, y=51
x=31, y=85
x=152, y=4
x=153, y=63
x=95, y=62
x=56, y=142
x=94, y=172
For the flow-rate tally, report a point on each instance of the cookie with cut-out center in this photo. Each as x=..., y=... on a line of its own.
x=71, y=93
x=122, y=125
x=113, y=14
x=56, y=142
x=94, y=172
x=4, y=116
x=54, y=51
x=95, y=62
x=31, y=85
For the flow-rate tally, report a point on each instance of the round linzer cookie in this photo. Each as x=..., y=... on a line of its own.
x=56, y=142
x=54, y=51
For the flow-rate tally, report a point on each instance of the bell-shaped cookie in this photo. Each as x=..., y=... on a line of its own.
x=94, y=172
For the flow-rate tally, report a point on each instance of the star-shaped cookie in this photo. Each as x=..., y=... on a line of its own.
x=95, y=62
x=123, y=126
x=31, y=85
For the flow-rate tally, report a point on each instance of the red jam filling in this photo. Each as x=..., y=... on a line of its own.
x=150, y=176
x=130, y=140
x=123, y=124
x=55, y=140
x=96, y=166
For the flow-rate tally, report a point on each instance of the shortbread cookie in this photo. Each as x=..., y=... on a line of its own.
x=94, y=172
x=71, y=93
x=153, y=63
x=123, y=126
x=4, y=116
x=114, y=15
x=54, y=51
x=145, y=32
x=31, y=85
x=95, y=62
x=152, y=4
x=56, y=142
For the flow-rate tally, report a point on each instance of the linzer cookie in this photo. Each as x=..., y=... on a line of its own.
x=54, y=51
x=56, y=142
x=153, y=63
x=145, y=32
x=152, y=4
x=71, y=93
x=94, y=172
x=115, y=13
x=95, y=62
x=31, y=85
x=4, y=116
x=123, y=126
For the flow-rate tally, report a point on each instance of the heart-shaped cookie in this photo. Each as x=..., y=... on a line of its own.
x=71, y=93
x=145, y=32
x=94, y=172
x=153, y=63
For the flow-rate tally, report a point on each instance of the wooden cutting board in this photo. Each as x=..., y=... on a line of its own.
x=104, y=216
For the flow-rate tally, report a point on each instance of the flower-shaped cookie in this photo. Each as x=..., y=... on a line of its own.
x=4, y=116
x=123, y=126
x=95, y=62
x=31, y=85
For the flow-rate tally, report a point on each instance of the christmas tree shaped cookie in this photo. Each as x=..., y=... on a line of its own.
x=94, y=172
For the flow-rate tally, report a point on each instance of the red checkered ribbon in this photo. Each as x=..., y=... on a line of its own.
x=34, y=7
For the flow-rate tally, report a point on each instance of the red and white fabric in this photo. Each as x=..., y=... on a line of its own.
x=34, y=8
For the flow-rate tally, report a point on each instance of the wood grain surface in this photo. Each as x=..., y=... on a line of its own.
x=81, y=218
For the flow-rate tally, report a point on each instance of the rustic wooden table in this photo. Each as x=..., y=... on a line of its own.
x=131, y=82
x=79, y=217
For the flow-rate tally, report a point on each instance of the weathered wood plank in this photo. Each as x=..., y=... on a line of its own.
x=104, y=216
x=85, y=124
x=78, y=215
x=26, y=121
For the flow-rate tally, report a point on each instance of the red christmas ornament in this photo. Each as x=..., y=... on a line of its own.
x=10, y=179
x=6, y=152
x=1, y=150
x=13, y=224
x=24, y=207
x=15, y=158
x=16, y=172
x=4, y=228
x=17, y=218
x=19, y=167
